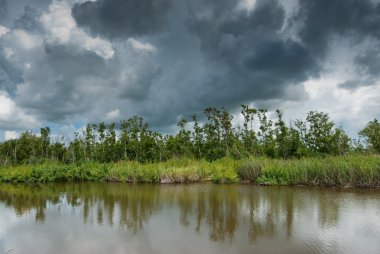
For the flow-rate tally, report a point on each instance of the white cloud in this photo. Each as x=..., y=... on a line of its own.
x=58, y=21
x=26, y=40
x=67, y=132
x=13, y=117
x=10, y=135
x=114, y=114
x=8, y=52
x=352, y=108
x=56, y=79
x=138, y=45
x=248, y=5
x=98, y=46
x=3, y=30
x=62, y=29
x=53, y=74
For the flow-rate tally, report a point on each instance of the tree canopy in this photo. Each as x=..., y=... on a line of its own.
x=260, y=133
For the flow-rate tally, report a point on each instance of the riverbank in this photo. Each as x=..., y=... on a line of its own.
x=342, y=171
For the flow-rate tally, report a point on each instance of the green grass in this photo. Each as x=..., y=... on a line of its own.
x=343, y=171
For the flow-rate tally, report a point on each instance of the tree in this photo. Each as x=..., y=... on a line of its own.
x=227, y=131
x=323, y=137
x=45, y=141
x=180, y=145
x=248, y=135
x=90, y=142
x=213, y=148
x=213, y=138
x=371, y=134
x=197, y=137
x=319, y=137
x=342, y=141
x=58, y=150
x=266, y=133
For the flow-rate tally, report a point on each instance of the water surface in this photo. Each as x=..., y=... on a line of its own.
x=122, y=218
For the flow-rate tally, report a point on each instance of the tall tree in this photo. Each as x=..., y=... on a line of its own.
x=371, y=134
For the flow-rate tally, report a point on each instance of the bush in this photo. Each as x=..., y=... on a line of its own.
x=249, y=170
x=347, y=171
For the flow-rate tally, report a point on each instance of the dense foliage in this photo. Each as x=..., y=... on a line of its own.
x=258, y=134
x=354, y=170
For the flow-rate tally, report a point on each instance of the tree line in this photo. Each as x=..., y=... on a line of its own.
x=257, y=134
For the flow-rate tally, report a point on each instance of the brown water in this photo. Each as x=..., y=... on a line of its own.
x=121, y=218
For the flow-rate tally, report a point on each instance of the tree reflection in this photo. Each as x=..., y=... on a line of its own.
x=218, y=210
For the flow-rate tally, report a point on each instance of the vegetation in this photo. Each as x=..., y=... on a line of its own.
x=372, y=135
x=261, y=149
x=344, y=171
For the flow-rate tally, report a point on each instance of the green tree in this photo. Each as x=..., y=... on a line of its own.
x=323, y=137
x=371, y=134
x=90, y=138
x=227, y=131
x=45, y=141
x=213, y=148
x=266, y=134
x=197, y=137
x=248, y=134
x=319, y=137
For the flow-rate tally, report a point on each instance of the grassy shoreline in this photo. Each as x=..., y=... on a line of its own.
x=341, y=171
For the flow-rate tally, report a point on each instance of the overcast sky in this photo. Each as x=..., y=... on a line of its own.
x=67, y=63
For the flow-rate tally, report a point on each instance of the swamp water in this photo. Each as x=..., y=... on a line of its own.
x=199, y=218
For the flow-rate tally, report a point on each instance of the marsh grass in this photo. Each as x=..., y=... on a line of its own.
x=342, y=171
x=249, y=170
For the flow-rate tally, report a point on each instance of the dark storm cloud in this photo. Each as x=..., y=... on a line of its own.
x=262, y=54
x=351, y=84
x=369, y=62
x=60, y=86
x=208, y=59
x=10, y=75
x=76, y=82
x=29, y=20
x=356, y=20
x=325, y=18
x=57, y=80
x=250, y=58
x=222, y=29
x=174, y=58
x=138, y=86
x=3, y=8
x=121, y=18
x=288, y=59
x=260, y=58
x=12, y=10
x=64, y=60
x=248, y=55
x=368, y=66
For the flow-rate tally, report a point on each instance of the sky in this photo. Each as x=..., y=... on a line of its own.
x=65, y=63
